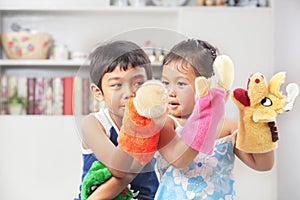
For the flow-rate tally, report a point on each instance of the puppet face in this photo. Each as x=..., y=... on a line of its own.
x=262, y=101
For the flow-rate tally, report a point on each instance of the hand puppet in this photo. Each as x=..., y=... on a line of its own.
x=200, y=130
x=144, y=116
x=258, y=107
x=97, y=175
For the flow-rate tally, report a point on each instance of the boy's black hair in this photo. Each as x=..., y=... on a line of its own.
x=107, y=57
x=199, y=54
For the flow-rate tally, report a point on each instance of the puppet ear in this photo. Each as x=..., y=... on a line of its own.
x=224, y=70
x=201, y=86
x=275, y=83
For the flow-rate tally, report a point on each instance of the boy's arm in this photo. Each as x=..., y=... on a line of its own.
x=112, y=187
x=95, y=138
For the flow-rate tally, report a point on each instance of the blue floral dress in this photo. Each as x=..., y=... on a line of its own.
x=207, y=177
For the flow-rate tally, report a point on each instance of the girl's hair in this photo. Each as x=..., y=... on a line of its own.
x=106, y=58
x=199, y=54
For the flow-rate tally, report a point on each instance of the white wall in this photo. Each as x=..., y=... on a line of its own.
x=287, y=49
x=40, y=158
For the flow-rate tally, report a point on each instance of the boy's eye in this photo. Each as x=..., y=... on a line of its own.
x=116, y=85
x=165, y=82
x=138, y=83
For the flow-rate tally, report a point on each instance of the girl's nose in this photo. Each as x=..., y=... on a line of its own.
x=171, y=92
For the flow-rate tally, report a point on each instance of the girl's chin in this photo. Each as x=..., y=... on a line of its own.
x=175, y=114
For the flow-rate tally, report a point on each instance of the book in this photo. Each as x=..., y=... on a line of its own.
x=68, y=95
x=48, y=96
x=30, y=95
x=3, y=95
x=85, y=96
x=22, y=90
x=77, y=96
x=39, y=100
x=58, y=101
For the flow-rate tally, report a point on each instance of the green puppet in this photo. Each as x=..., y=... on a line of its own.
x=97, y=175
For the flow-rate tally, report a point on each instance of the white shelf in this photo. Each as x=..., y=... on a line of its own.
x=144, y=9
x=6, y=62
x=26, y=63
x=91, y=8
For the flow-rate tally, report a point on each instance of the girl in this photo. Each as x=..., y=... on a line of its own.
x=207, y=176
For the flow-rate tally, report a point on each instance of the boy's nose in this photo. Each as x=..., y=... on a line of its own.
x=127, y=92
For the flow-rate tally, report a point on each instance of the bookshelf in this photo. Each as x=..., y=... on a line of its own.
x=80, y=28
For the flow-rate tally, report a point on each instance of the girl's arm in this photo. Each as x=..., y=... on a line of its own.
x=172, y=148
x=259, y=161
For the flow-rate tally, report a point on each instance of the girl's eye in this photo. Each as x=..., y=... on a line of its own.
x=181, y=84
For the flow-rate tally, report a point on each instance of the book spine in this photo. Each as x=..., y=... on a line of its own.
x=68, y=95
x=77, y=96
x=4, y=95
x=57, y=96
x=48, y=96
x=22, y=90
x=39, y=102
x=30, y=95
x=85, y=96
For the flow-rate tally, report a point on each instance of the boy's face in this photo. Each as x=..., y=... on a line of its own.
x=181, y=88
x=119, y=85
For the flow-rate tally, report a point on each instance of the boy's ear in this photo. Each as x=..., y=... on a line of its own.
x=97, y=93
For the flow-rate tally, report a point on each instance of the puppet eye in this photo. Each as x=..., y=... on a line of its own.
x=266, y=102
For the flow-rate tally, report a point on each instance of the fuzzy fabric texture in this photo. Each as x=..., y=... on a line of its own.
x=200, y=130
x=139, y=135
x=97, y=175
x=258, y=107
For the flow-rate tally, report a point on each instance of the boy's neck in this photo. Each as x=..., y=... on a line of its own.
x=116, y=119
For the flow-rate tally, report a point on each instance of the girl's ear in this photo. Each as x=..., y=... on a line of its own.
x=97, y=93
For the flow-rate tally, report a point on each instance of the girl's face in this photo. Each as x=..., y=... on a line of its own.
x=118, y=86
x=179, y=82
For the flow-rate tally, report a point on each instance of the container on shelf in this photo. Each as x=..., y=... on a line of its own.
x=26, y=45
